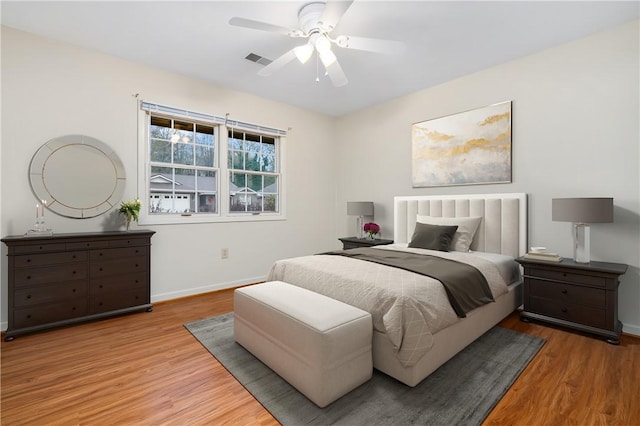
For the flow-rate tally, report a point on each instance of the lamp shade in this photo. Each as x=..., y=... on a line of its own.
x=582, y=210
x=360, y=208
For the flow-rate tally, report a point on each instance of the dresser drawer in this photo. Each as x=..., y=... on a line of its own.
x=567, y=276
x=118, y=283
x=39, y=248
x=50, y=274
x=108, y=267
x=113, y=301
x=118, y=253
x=87, y=245
x=29, y=296
x=580, y=314
x=49, y=258
x=567, y=293
x=43, y=314
x=129, y=242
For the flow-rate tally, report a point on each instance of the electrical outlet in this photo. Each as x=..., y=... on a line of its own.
x=224, y=253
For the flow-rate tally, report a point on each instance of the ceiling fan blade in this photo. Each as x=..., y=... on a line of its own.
x=278, y=63
x=336, y=74
x=370, y=44
x=333, y=11
x=264, y=26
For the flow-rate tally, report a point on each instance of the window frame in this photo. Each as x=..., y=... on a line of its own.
x=221, y=131
x=264, y=173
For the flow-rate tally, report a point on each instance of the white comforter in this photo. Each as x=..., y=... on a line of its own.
x=409, y=308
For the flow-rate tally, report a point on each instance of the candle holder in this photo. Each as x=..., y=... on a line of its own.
x=40, y=227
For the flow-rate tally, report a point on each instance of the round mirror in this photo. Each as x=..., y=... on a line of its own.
x=77, y=176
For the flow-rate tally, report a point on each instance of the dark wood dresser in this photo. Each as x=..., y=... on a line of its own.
x=70, y=278
x=581, y=296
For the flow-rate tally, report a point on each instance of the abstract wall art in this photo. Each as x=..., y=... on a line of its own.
x=472, y=147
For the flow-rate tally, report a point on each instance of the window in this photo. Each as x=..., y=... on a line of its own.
x=182, y=173
x=253, y=177
x=206, y=168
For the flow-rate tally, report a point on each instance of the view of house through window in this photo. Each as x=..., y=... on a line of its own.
x=184, y=168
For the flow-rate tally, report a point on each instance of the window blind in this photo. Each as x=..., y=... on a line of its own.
x=163, y=109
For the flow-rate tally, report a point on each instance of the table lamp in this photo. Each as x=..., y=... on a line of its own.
x=582, y=212
x=360, y=209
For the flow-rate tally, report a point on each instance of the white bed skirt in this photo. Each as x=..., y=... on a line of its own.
x=447, y=342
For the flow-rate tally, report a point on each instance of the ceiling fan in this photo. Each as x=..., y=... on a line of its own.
x=316, y=21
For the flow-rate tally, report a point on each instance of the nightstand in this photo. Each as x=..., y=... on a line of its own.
x=580, y=296
x=353, y=242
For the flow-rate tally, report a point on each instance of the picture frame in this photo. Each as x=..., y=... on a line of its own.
x=467, y=148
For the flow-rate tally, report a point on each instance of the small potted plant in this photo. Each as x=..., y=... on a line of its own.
x=130, y=210
x=371, y=229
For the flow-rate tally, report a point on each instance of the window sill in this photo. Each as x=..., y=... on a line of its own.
x=208, y=218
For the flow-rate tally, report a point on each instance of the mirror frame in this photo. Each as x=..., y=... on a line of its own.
x=65, y=145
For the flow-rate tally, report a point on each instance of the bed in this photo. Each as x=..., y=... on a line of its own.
x=416, y=329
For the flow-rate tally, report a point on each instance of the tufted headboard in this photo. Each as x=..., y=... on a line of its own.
x=503, y=228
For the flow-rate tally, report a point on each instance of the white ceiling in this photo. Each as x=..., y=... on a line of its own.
x=444, y=39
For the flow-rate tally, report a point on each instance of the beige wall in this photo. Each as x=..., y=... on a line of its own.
x=575, y=134
x=51, y=89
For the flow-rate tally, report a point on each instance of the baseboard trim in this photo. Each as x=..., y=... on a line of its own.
x=631, y=329
x=162, y=297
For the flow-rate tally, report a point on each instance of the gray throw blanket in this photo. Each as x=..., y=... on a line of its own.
x=465, y=285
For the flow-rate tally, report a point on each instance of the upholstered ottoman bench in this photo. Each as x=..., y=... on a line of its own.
x=321, y=346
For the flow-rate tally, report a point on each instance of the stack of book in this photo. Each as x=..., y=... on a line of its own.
x=543, y=255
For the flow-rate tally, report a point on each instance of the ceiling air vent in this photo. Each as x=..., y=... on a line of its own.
x=258, y=59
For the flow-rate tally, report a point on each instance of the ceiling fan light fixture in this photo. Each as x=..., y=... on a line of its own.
x=303, y=53
x=327, y=58
x=323, y=45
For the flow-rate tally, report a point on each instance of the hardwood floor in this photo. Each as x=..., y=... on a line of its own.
x=146, y=368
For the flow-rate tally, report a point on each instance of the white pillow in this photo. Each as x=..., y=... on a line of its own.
x=467, y=227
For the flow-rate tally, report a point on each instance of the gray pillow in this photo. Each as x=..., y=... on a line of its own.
x=432, y=237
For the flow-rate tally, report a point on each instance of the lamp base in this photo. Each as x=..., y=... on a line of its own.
x=581, y=245
x=360, y=227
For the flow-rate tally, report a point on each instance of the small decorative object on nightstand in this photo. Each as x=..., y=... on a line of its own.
x=371, y=229
x=353, y=242
x=581, y=296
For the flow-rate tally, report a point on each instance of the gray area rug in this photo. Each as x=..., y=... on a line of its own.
x=461, y=392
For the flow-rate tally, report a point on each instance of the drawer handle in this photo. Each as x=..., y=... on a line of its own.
x=73, y=272
x=28, y=260
x=100, y=254
x=564, y=291
x=100, y=269
x=29, y=316
x=136, y=265
x=564, y=310
x=28, y=277
x=73, y=257
x=28, y=296
x=73, y=290
x=137, y=281
x=100, y=285
x=73, y=309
